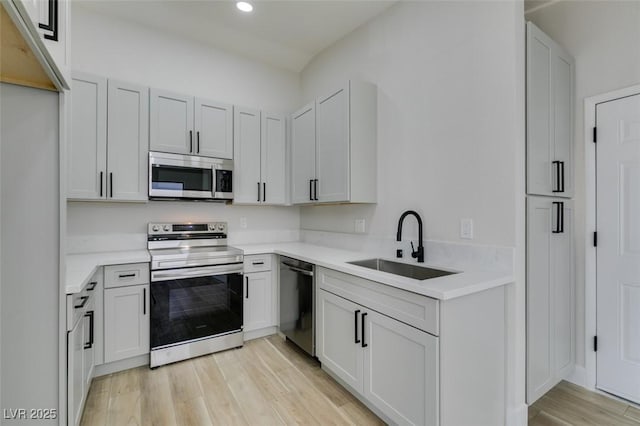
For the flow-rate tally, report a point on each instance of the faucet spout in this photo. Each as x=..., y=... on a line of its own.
x=419, y=253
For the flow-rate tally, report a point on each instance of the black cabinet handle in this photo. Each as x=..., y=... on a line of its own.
x=310, y=189
x=93, y=285
x=84, y=302
x=258, y=191
x=364, y=345
x=144, y=301
x=126, y=275
x=101, y=176
x=190, y=141
x=562, y=174
x=52, y=25
x=559, y=228
x=246, y=280
x=264, y=191
x=258, y=263
x=111, y=183
x=89, y=344
x=198, y=141
x=559, y=165
x=315, y=189
x=355, y=326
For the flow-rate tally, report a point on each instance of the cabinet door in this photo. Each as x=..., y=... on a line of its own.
x=126, y=322
x=247, y=185
x=332, y=146
x=128, y=141
x=75, y=382
x=303, y=154
x=87, y=145
x=214, y=129
x=274, y=159
x=401, y=370
x=337, y=331
x=171, y=122
x=258, y=312
x=550, y=77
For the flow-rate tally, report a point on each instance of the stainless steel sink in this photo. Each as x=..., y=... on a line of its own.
x=403, y=269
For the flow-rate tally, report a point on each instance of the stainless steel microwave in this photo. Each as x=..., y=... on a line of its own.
x=190, y=177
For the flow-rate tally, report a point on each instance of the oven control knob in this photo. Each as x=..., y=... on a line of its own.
x=212, y=227
x=155, y=228
x=167, y=228
x=220, y=227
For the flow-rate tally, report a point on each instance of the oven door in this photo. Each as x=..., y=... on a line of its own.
x=191, y=304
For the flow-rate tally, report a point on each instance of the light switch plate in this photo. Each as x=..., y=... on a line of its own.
x=359, y=226
x=466, y=229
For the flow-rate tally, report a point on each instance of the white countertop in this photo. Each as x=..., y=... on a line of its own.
x=81, y=267
x=443, y=288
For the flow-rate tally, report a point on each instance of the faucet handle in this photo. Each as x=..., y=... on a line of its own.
x=414, y=253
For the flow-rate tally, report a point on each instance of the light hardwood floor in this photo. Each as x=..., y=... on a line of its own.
x=267, y=382
x=568, y=404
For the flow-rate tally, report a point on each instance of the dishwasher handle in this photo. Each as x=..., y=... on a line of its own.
x=296, y=269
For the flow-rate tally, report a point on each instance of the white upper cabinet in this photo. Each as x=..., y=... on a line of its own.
x=87, y=145
x=259, y=157
x=334, y=147
x=128, y=137
x=182, y=124
x=214, y=129
x=113, y=168
x=171, y=122
x=303, y=154
x=550, y=93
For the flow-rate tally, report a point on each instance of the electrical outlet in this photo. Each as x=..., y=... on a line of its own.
x=466, y=229
x=243, y=222
x=360, y=226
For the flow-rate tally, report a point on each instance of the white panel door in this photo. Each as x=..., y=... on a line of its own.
x=213, y=129
x=171, y=122
x=303, y=154
x=247, y=184
x=126, y=322
x=128, y=141
x=401, y=364
x=332, y=146
x=274, y=159
x=339, y=338
x=258, y=312
x=618, y=250
x=87, y=145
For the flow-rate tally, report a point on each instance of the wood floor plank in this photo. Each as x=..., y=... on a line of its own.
x=157, y=405
x=632, y=413
x=192, y=412
x=97, y=405
x=578, y=412
x=582, y=394
x=358, y=414
x=183, y=381
x=124, y=409
x=126, y=381
x=543, y=419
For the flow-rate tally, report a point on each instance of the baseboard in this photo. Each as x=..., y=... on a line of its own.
x=125, y=364
x=517, y=416
x=578, y=376
x=256, y=334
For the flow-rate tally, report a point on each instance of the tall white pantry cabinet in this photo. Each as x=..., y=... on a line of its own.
x=550, y=214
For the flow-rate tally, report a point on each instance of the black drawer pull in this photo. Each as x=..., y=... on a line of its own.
x=93, y=285
x=258, y=263
x=126, y=275
x=355, y=326
x=364, y=345
x=84, y=302
x=144, y=301
x=89, y=344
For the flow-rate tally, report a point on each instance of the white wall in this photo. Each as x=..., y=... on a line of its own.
x=447, y=117
x=119, y=49
x=604, y=38
x=450, y=79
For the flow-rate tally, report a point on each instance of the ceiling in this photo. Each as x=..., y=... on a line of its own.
x=533, y=5
x=283, y=33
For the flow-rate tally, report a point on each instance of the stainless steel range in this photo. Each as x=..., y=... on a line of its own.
x=196, y=291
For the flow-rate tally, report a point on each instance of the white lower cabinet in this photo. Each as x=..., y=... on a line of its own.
x=260, y=299
x=392, y=365
x=126, y=322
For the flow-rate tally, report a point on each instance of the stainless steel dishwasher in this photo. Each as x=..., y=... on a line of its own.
x=297, y=300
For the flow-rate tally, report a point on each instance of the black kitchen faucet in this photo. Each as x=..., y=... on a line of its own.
x=419, y=254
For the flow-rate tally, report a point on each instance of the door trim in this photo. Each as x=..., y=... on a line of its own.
x=588, y=377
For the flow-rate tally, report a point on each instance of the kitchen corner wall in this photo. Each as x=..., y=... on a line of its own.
x=603, y=37
x=448, y=118
x=115, y=48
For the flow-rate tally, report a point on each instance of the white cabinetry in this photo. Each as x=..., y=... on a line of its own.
x=259, y=157
x=410, y=358
x=126, y=311
x=109, y=140
x=260, y=296
x=550, y=93
x=333, y=147
x=550, y=293
x=183, y=124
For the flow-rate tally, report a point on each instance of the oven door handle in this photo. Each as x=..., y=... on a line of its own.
x=176, y=274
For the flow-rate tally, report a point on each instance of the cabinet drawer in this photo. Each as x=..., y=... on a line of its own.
x=79, y=303
x=125, y=275
x=257, y=263
x=418, y=311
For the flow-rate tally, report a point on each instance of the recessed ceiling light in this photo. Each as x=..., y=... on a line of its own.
x=244, y=6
